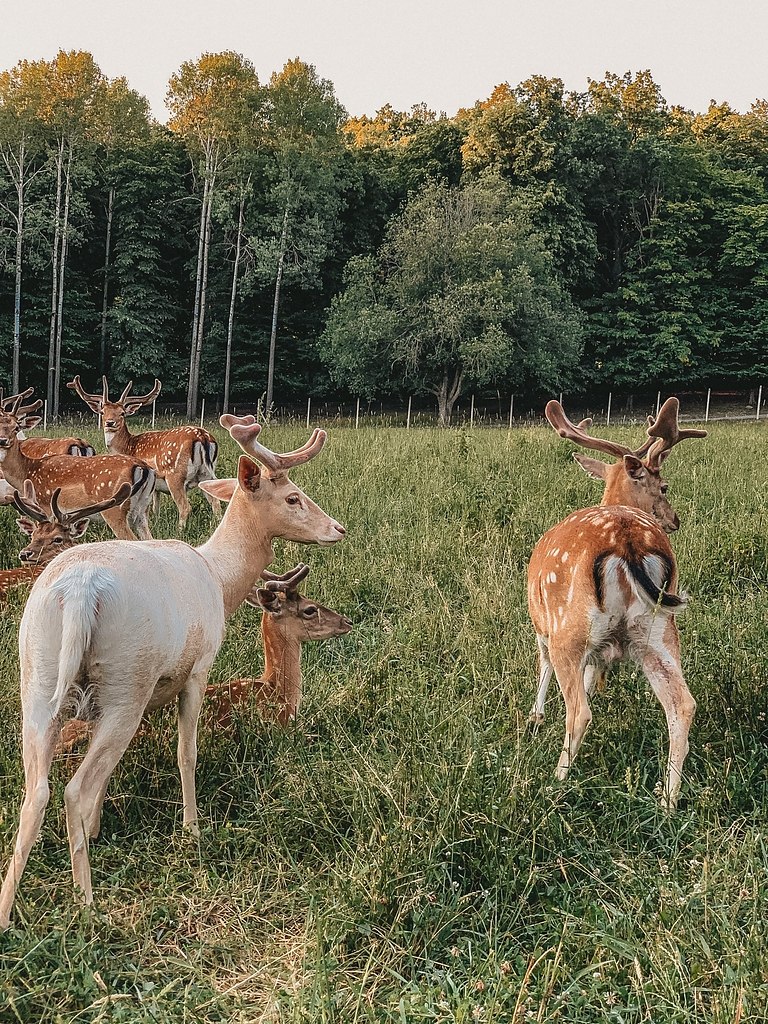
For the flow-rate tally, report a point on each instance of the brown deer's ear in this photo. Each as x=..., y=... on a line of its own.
x=26, y=526
x=30, y=422
x=592, y=467
x=267, y=600
x=77, y=529
x=634, y=467
x=248, y=474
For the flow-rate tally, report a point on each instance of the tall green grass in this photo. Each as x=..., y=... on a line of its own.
x=404, y=853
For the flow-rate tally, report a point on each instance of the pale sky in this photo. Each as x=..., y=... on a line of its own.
x=448, y=54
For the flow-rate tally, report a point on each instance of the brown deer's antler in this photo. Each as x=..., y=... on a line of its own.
x=289, y=581
x=70, y=518
x=664, y=432
x=26, y=502
x=578, y=434
x=13, y=403
x=139, y=400
x=245, y=430
x=94, y=402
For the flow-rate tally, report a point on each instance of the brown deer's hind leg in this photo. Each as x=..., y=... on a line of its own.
x=570, y=677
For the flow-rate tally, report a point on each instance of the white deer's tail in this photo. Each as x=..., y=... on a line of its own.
x=81, y=595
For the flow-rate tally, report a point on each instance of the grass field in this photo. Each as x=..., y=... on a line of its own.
x=404, y=853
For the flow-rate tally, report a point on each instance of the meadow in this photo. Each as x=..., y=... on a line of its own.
x=403, y=853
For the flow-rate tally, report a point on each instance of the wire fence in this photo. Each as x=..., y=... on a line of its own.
x=499, y=411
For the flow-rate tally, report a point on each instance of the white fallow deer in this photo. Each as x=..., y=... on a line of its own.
x=40, y=447
x=288, y=620
x=181, y=457
x=81, y=481
x=48, y=535
x=603, y=586
x=129, y=627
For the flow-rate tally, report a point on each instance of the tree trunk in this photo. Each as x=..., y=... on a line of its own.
x=201, y=316
x=17, y=287
x=62, y=266
x=275, y=306
x=191, y=392
x=447, y=394
x=105, y=290
x=55, y=275
x=233, y=300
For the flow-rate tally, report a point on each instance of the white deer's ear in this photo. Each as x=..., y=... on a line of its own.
x=592, y=467
x=221, y=489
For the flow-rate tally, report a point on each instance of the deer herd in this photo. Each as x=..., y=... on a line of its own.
x=115, y=629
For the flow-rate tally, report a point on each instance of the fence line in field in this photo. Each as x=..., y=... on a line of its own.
x=704, y=406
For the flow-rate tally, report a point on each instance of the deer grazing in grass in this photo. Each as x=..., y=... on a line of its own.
x=181, y=457
x=126, y=628
x=288, y=620
x=40, y=447
x=48, y=535
x=81, y=482
x=602, y=586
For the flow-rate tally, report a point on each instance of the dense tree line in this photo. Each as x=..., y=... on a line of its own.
x=263, y=243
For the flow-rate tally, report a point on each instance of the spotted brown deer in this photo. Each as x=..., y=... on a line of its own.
x=288, y=620
x=603, y=585
x=135, y=626
x=40, y=447
x=81, y=481
x=181, y=457
x=49, y=535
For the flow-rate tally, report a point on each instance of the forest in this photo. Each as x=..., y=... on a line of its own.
x=265, y=246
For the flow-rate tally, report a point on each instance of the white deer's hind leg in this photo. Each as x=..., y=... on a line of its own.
x=190, y=702
x=536, y=717
x=40, y=732
x=84, y=794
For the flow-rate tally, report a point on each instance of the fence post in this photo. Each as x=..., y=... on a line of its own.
x=45, y=414
x=561, y=398
x=309, y=406
x=357, y=415
x=472, y=412
x=153, y=413
x=658, y=403
x=511, y=409
x=408, y=418
x=202, y=412
x=759, y=401
x=706, y=411
x=608, y=415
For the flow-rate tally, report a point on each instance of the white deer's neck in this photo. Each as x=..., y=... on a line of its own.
x=237, y=553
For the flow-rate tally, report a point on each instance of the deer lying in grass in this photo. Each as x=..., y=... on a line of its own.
x=288, y=621
x=181, y=457
x=130, y=627
x=602, y=586
x=40, y=447
x=81, y=481
x=48, y=535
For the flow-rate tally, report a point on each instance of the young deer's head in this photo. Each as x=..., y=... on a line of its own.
x=50, y=535
x=113, y=414
x=292, y=613
x=282, y=508
x=635, y=479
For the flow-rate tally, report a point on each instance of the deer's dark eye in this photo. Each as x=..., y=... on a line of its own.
x=311, y=611
x=58, y=540
x=292, y=499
